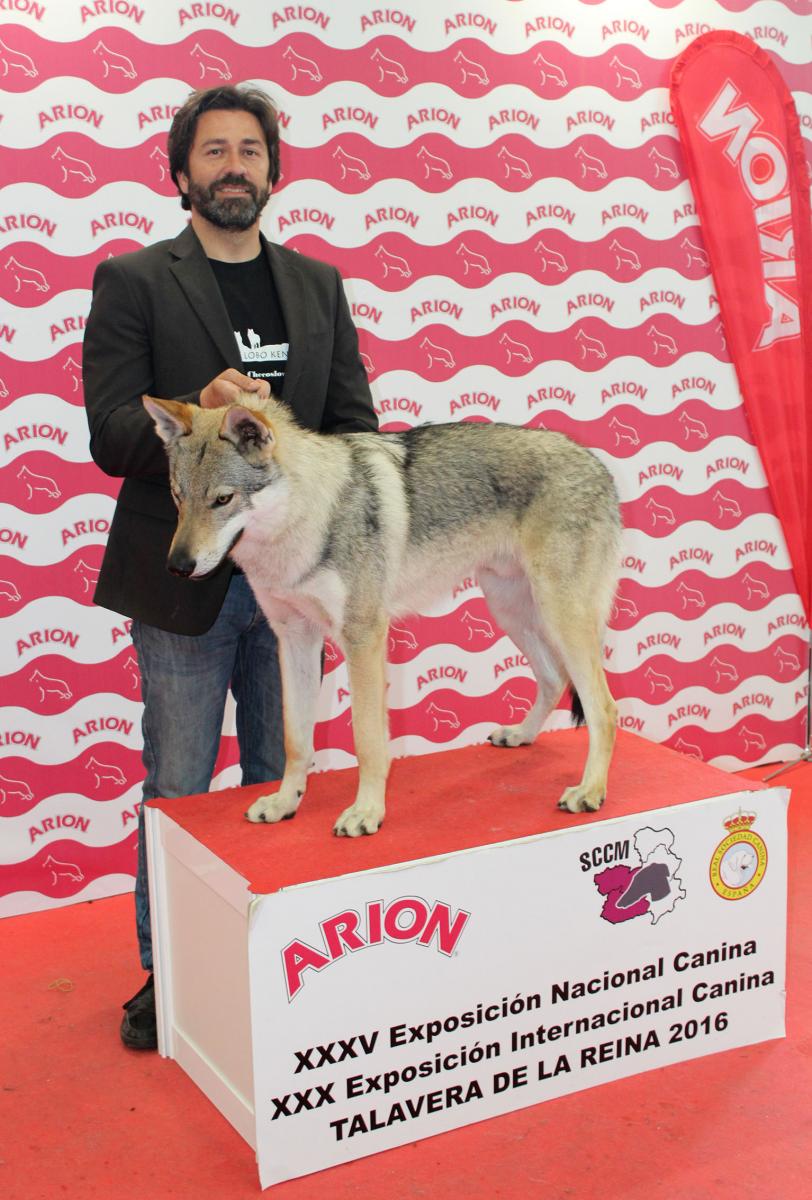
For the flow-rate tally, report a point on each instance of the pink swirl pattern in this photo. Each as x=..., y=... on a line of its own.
x=508, y=206
x=117, y=61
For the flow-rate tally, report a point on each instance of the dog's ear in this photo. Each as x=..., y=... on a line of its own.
x=172, y=419
x=250, y=431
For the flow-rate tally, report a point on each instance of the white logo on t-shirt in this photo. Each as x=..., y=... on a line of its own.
x=257, y=353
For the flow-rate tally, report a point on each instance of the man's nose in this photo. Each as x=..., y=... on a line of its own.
x=233, y=164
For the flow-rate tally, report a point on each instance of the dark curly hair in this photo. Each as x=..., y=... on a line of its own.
x=243, y=98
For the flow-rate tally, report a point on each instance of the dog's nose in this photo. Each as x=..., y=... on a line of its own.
x=182, y=565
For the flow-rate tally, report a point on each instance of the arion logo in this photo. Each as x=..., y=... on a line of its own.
x=408, y=919
x=764, y=172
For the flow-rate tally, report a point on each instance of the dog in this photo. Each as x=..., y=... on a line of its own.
x=339, y=533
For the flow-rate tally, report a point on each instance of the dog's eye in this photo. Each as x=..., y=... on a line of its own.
x=221, y=501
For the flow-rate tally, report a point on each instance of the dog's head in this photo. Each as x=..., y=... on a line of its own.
x=219, y=459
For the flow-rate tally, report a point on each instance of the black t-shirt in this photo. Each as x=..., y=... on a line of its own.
x=256, y=317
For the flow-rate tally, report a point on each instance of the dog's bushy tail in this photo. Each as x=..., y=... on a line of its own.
x=577, y=709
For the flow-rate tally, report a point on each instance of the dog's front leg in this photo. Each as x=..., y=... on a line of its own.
x=300, y=666
x=366, y=666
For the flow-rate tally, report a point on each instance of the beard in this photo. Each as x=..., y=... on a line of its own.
x=228, y=212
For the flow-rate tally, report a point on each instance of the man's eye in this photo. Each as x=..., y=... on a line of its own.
x=221, y=501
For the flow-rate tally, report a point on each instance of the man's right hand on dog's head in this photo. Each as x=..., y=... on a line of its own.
x=228, y=388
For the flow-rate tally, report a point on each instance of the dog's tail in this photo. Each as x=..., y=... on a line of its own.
x=577, y=709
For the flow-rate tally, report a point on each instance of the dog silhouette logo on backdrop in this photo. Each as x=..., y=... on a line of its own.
x=16, y=60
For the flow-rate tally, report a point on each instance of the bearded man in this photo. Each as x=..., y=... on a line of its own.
x=200, y=318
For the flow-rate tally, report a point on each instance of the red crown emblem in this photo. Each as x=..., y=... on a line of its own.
x=739, y=820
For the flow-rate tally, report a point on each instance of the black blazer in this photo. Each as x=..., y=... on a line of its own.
x=158, y=325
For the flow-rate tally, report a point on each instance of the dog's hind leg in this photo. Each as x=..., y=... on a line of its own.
x=366, y=666
x=600, y=712
x=510, y=599
x=300, y=666
x=576, y=624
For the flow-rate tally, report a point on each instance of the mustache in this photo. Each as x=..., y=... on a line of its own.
x=234, y=181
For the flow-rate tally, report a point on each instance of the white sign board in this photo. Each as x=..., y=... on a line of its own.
x=392, y=1005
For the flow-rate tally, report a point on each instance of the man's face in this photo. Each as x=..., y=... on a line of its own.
x=228, y=169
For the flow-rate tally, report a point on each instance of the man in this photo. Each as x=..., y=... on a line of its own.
x=199, y=318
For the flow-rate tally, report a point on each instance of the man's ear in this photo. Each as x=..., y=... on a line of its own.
x=172, y=419
x=251, y=432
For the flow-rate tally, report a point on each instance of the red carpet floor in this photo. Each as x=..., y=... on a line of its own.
x=81, y=1117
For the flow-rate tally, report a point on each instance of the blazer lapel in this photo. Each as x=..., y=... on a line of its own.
x=193, y=273
x=290, y=290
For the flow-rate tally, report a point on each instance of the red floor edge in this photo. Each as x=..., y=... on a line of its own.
x=81, y=1117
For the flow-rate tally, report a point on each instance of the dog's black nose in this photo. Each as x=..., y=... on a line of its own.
x=181, y=565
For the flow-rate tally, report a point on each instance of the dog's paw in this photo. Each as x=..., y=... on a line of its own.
x=579, y=799
x=355, y=821
x=270, y=809
x=509, y=735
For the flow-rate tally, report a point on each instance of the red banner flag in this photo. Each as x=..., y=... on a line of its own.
x=745, y=158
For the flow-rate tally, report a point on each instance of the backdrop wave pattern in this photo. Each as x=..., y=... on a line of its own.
x=503, y=190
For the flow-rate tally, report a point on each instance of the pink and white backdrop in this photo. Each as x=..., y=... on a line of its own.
x=503, y=191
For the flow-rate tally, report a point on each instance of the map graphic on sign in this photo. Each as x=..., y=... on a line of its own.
x=651, y=888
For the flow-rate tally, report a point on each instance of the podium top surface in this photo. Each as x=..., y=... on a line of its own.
x=439, y=804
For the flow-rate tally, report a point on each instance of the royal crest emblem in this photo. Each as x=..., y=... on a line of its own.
x=740, y=860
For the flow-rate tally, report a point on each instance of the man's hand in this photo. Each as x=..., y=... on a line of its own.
x=226, y=388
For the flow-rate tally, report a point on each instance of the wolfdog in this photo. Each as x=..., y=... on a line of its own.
x=338, y=533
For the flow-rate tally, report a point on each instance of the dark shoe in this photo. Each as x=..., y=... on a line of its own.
x=139, y=1027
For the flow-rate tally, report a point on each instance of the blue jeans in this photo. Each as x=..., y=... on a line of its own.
x=184, y=684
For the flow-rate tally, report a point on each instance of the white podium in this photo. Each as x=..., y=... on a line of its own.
x=483, y=952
